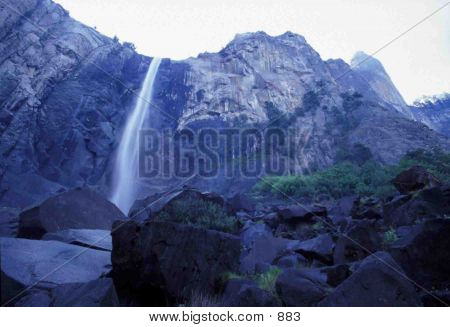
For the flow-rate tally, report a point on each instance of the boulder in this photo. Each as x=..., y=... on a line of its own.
x=358, y=241
x=341, y=209
x=378, y=282
x=44, y=264
x=246, y=293
x=79, y=208
x=295, y=290
x=96, y=239
x=291, y=261
x=414, y=179
x=96, y=293
x=240, y=202
x=9, y=222
x=367, y=208
x=298, y=213
x=170, y=260
x=410, y=209
x=423, y=253
x=319, y=248
x=336, y=274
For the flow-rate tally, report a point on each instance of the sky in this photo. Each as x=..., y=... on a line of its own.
x=418, y=62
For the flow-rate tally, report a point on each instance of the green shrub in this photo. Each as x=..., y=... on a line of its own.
x=347, y=178
x=267, y=280
x=390, y=236
x=198, y=213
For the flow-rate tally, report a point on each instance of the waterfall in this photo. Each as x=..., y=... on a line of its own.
x=126, y=169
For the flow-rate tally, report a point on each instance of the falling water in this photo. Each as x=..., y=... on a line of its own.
x=125, y=175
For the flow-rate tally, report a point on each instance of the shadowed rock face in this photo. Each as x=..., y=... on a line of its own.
x=65, y=91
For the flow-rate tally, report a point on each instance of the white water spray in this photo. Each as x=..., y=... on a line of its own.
x=126, y=169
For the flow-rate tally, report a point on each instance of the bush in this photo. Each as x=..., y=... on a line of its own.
x=390, y=237
x=346, y=178
x=199, y=213
x=267, y=280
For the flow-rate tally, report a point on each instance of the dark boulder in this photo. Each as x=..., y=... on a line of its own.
x=336, y=274
x=414, y=179
x=378, y=281
x=367, y=208
x=342, y=208
x=240, y=202
x=423, y=253
x=410, y=209
x=246, y=293
x=319, y=248
x=439, y=298
x=96, y=293
x=292, y=260
x=296, y=290
x=75, y=209
x=169, y=260
x=96, y=239
x=298, y=213
x=358, y=241
x=44, y=264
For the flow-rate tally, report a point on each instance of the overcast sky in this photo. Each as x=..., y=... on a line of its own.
x=418, y=62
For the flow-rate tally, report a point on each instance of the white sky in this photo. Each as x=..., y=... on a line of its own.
x=418, y=62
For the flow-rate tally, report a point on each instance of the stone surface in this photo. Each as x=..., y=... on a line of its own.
x=319, y=248
x=45, y=264
x=414, y=179
x=75, y=209
x=378, y=281
x=9, y=222
x=172, y=258
x=96, y=293
x=245, y=293
x=295, y=290
x=423, y=253
x=96, y=239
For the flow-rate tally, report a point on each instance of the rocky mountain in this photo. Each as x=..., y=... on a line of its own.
x=65, y=91
x=433, y=111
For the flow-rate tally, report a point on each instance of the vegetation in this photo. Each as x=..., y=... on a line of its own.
x=346, y=178
x=390, y=236
x=268, y=279
x=199, y=213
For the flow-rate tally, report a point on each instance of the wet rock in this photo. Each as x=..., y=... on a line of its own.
x=96, y=239
x=378, y=281
x=75, y=209
x=172, y=260
x=414, y=179
x=45, y=264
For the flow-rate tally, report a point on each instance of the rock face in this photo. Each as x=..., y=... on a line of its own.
x=65, y=91
x=96, y=239
x=45, y=264
x=75, y=209
x=433, y=111
x=170, y=261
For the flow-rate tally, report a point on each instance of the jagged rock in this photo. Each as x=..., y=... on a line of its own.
x=423, y=253
x=170, y=259
x=295, y=290
x=245, y=293
x=367, y=208
x=96, y=293
x=96, y=239
x=379, y=281
x=319, y=248
x=414, y=179
x=45, y=264
x=358, y=241
x=75, y=209
x=240, y=202
x=425, y=204
x=9, y=222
